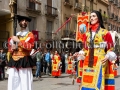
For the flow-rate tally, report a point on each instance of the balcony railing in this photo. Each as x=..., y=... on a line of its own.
x=51, y=11
x=104, y=2
x=78, y=6
x=48, y=35
x=34, y=8
x=68, y=3
x=68, y=33
x=65, y=33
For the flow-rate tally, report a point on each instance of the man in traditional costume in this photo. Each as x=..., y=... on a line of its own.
x=56, y=65
x=97, y=71
x=20, y=63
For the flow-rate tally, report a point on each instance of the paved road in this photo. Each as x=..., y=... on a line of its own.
x=61, y=83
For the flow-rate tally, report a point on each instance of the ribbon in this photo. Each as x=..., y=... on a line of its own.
x=63, y=24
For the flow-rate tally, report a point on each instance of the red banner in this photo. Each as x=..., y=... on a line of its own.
x=82, y=26
x=35, y=35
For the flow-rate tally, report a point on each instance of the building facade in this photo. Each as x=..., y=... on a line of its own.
x=70, y=7
x=50, y=18
x=45, y=15
x=5, y=22
x=114, y=22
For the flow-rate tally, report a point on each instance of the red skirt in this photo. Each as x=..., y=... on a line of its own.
x=56, y=73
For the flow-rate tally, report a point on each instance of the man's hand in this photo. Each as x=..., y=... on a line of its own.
x=14, y=46
x=15, y=38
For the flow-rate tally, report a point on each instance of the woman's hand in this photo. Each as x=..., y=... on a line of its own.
x=104, y=60
x=15, y=38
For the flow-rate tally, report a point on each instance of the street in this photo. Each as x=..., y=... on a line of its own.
x=62, y=83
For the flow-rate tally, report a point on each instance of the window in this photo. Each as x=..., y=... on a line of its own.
x=68, y=24
x=75, y=25
x=31, y=5
x=76, y=1
x=67, y=1
x=100, y=10
x=49, y=29
x=109, y=26
x=117, y=29
x=104, y=13
x=112, y=27
x=32, y=24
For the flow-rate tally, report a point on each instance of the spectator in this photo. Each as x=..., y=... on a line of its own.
x=2, y=64
x=48, y=61
x=38, y=63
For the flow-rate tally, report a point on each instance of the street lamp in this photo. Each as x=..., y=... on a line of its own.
x=13, y=10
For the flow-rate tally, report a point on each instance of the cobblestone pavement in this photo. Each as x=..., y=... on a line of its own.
x=61, y=83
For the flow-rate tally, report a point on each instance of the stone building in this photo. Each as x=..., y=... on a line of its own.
x=48, y=17
x=69, y=7
x=45, y=15
x=114, y=22
x=5, y=21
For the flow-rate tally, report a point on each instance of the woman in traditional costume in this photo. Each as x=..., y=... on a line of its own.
x=56, y=65
x=70, y=65
x=98, y=63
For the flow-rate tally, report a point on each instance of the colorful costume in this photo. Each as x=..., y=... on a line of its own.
x=79, y=70
x=56, y=68
x=79, y=66
x=70, y=65
x=20, y=62
x=97, y=76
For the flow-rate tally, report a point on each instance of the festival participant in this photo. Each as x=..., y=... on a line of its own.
x=3, y=60
x=97, y=71
x=20, y=63
x=80, y=61
x=70, y=63
x=56, y=65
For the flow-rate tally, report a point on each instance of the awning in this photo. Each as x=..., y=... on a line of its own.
x=68, y=39
x=4, y=12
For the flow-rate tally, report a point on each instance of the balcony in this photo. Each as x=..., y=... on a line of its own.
x=78, y=6
x=51, y=11
x=34, y=8
x=111, y=15
x=65, y=33
x=115, y=2
x=118, y=5
x=104, y=2
x=68, y=3
x=68, y=34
